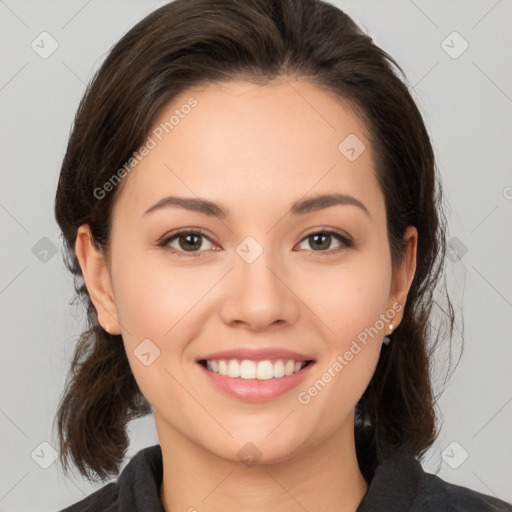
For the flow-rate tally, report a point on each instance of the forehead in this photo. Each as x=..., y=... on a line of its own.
x=246, y=144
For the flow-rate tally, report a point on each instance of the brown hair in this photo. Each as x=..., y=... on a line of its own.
x=190, y=42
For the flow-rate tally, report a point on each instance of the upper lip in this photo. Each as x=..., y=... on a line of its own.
x=257, y=354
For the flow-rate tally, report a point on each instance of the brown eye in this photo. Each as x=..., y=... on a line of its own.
x=190, y=242
x=187, y=242
x=321, y=241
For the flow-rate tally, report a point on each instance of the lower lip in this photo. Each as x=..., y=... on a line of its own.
x=254, y=390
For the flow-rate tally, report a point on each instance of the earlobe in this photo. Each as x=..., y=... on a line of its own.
x=97, y=279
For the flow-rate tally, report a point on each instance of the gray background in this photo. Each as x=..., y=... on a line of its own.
x=466, y=99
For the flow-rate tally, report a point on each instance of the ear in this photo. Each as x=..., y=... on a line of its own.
x=404, y=274
x=97, y=279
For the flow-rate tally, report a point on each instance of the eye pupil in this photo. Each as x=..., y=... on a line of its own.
x=317, y=238
x=189, y=245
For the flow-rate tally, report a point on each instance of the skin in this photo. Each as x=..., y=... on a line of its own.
x=255, y=150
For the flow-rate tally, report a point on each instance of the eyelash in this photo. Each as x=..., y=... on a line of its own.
x=337, y=235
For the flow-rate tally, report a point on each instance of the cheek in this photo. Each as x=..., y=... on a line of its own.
x=156, y=305
x=348, y=298
x=155, y=297
x=352, y=304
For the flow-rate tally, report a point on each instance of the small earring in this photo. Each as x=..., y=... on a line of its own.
x=387, y=340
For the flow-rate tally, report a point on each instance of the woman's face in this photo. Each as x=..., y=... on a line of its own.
x=260, y=281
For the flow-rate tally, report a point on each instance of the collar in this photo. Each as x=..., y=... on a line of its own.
x=395, y=484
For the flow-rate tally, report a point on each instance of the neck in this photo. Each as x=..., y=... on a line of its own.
x=325, y=478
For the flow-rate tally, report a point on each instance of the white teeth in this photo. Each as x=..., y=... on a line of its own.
x=248, y=369
x=279, y=368
x=233, y=369
x=261, y=370
x=264, y=370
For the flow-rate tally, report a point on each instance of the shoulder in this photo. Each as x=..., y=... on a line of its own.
x=137, y=488
x=438, y=494
x=103, y=500
x=399, y=483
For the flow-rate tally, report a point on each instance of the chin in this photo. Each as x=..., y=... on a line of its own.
x=256, y=448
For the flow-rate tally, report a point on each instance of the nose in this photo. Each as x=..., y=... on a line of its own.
x=259, y=295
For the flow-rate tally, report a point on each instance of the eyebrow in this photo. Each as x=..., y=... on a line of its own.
x=300, y=207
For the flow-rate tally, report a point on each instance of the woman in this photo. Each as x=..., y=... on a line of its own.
x=250, y=208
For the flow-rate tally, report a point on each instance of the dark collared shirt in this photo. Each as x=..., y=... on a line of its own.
x=399, y=484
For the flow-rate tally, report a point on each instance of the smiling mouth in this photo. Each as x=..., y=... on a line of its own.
x=260, y=370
